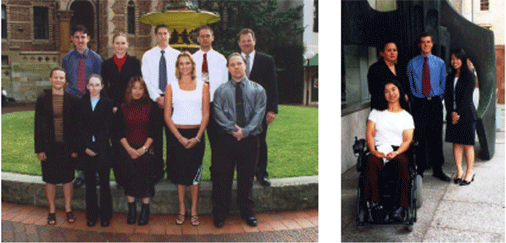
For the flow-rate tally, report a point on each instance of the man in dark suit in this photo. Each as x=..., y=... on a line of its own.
x=261, y=69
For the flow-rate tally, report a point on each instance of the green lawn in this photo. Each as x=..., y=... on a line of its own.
x=292, y=140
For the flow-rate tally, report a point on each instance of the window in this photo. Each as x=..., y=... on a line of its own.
x=40, y=23
x=131, y=17
x=484, y=5
x=4, y=22
x=315, y=16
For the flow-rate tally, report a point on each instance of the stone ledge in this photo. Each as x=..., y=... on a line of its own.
x=285, y=194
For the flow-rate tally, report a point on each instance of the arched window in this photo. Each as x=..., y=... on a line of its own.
x=131, y=17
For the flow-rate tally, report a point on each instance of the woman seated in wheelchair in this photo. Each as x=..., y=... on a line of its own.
x=389, y=134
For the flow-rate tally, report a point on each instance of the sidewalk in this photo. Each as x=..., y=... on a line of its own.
x=449, y=212
x=28, y=223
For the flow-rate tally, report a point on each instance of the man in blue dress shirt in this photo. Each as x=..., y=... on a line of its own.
x=427, y=75
x=79, y=64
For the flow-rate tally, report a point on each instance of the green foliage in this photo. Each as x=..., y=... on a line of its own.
x=272, y=28
x=292, y=139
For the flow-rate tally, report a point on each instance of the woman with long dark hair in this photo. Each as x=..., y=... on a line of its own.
x=389, y=134
x=385, y=70
x=461, y=115
x=116, y=72
x=136, y=123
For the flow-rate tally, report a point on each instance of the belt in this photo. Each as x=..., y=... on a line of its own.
x=428, y=98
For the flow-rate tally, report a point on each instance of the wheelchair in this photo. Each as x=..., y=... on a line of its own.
x=387, y=187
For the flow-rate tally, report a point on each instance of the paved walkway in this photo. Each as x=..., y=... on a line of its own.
x=28, y=223
x=450, y=213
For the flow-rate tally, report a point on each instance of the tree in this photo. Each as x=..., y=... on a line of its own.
x=277, y=32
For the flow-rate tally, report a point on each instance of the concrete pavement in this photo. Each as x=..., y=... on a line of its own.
x=450, y=212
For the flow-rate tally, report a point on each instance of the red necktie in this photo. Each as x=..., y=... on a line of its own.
x=204, y=64
x=426, y=79
x=81, y=76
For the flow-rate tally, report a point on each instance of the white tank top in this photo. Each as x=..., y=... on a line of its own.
x=187, y=104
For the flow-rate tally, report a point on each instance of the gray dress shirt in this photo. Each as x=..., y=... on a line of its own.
x=255, y=99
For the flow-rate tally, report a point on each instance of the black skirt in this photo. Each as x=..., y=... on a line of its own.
x=461, y=133
x=139, y=174
x=58, y=168
x=187, y=168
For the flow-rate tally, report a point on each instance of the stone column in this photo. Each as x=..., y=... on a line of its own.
x=64, y=22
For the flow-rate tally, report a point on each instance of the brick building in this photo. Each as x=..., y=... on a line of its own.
x=36, y=35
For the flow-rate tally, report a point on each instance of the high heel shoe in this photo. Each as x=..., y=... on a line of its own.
x=465, y=183
x=457, y=180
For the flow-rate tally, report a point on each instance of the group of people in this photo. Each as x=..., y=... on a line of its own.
x=407, y=105
x=111, y=114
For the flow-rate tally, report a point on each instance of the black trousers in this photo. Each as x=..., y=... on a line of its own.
x=158, y=146
x=428, y=118
x=261, y=170
x=92, y=209
x=229, y=153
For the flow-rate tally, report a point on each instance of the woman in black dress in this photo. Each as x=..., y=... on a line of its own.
x=116, y=72
x=55, y=139
x=461, y=114
x=136, y=123
x=96, y=118
x=383, y=71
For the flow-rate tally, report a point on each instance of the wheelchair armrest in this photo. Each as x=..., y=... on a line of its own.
x=360, y=151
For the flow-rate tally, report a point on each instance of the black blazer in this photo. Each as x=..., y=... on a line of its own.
x=115, y=82
x=378, y=75
x=264, y=73
x=44, y=122
x=463, y=97
x=96, y=123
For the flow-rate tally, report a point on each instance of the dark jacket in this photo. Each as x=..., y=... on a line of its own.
x=96, y=123
x=379, y=74
x=44, y=122
x=463, y=97
x=264, y=73
x=115, y=82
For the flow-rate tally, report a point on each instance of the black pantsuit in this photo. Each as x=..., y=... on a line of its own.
x=428, y=118
x=95, y=123
x=227, y=154
x=92, y=208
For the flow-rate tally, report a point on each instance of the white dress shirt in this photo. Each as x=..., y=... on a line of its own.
x=217, y=66
x=251, y=60
x=150, y=65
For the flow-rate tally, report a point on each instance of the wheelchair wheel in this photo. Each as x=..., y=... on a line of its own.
x=418, y=191
x=361, y=213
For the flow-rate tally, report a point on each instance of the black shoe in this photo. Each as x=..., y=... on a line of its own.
x=440, y=175
x=264, y=181
x=219, y=222
x=250, y=220
x=398, y=214
x=78, y=182
x=132, y=213
x=91, y=223
x=145, y=214
x=465, y=183
x=104, y=222
x=457, y=180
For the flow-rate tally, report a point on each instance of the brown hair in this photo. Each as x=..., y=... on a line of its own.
x=246, y=31
x=205, y=27
x=186, y=54
x=233, y=55
x=162, y=26
x=130, y=86
x=119, y=34
x=425, y=34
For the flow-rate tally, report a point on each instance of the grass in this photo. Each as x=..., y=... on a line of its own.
x=292, y=140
